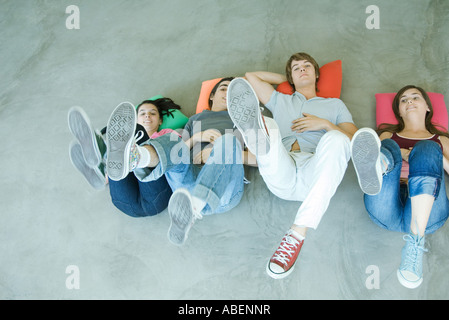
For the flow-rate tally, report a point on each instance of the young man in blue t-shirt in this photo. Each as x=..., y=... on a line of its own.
x=302, y=152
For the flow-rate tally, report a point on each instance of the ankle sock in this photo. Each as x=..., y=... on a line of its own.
x=384, y=163
x=145, y=157
x=198, y=204
x=297, y=235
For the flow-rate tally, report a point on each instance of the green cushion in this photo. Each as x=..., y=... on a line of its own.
x=174, y=120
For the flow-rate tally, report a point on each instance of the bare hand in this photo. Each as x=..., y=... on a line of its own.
x=201, y=157
x=309, y=123
x=209, y=135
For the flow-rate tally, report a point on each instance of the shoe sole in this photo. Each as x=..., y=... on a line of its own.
x=119, y=138
x=243, y=108
x=80, y=127
x=281, y=275
x=180, y=211
x=406, y=283
x=365, y=154
x=93, y=175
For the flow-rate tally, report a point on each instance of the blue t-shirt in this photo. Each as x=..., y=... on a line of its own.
x=286, y=108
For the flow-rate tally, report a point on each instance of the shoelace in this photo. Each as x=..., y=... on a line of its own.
x=197, y=215
x=262, y=123
x=286, y=249
x=138, y=135
x=413, y=251
x=134, y=155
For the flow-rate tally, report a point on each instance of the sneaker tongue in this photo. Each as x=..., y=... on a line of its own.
x=101, y=144
x=418, y=240
x=296, y=235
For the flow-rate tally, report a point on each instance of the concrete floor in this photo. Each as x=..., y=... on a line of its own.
x=131, y=50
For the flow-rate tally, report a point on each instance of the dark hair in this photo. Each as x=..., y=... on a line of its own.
x=214, y=89
x=383, y=127
x=163, y=105
x=298, y=57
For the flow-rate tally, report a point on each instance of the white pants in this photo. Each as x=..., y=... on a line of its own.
x=311, y=178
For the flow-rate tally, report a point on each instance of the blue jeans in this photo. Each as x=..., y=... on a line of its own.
x=219, y=182
x=391, y=208
x=138, y=199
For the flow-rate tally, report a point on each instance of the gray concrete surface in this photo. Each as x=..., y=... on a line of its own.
x=131, y=50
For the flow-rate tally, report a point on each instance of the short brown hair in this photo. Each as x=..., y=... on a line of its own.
x=298, y=57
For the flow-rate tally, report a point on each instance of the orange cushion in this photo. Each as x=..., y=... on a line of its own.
x=329, y=84
x=385, y=114
x=206, y=89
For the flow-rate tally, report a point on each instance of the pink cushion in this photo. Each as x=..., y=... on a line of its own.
x=384, y=111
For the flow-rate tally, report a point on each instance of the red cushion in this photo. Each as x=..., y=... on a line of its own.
x=385, y=114
x=329, y=83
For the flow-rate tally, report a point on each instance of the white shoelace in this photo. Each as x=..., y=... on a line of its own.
x=286, y=249
x=134, y=154
x=412, y=256
x=138, y=135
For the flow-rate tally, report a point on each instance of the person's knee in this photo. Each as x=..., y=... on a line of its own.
x=337, y=137
x=426, y=148
x=426, y=158
x=336, y=142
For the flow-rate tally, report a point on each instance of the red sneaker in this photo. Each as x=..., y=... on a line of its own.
x=283, y=260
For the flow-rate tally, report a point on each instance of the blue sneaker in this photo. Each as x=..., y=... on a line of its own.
x=410, y=271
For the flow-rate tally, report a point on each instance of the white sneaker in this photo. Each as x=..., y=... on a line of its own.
x=95, y=176
x=182, y=216
x=122, y=153
x=244, y=110
x=91, y=144
x=365, y=154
